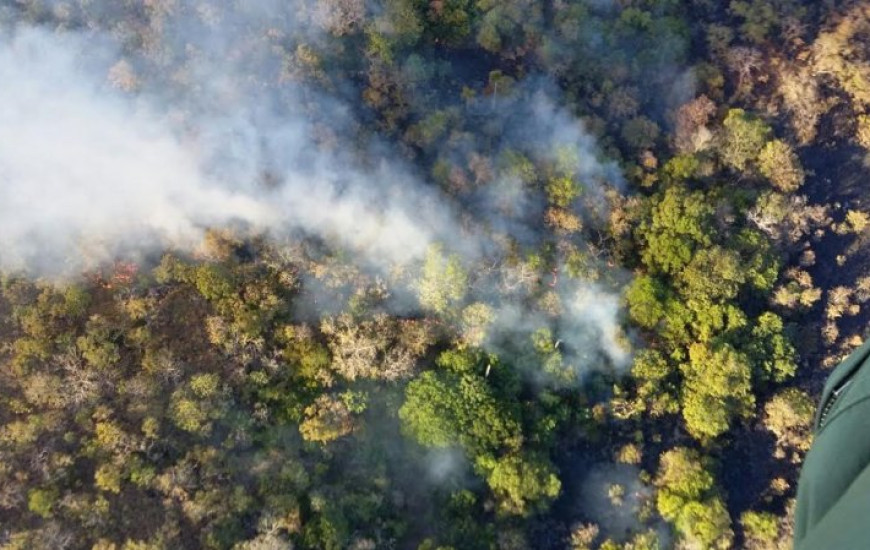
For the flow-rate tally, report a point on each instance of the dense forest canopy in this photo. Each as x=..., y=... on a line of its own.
x=445, y=274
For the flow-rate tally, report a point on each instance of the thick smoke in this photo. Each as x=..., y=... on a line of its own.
x=105, y=152
x=87, y=172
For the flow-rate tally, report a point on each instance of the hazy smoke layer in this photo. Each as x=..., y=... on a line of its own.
x=614, y=497
x=84, y=171
x=107, y=150
x=87, y=171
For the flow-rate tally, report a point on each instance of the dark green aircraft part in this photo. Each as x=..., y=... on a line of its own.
x=833, y=500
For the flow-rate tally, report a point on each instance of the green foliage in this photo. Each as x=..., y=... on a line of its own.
x=545, y=358
x=759, y=526
x=789, y=415
x=403, y=19
x=76, y=300
x=743, y=136
x=211, y=402
x=646, y=297
x=759, y=258
x=681, y=167
x=141, y=474
x=41, y=501
x=189, y=416
x=679, y=223
x=770, y=350
x=692, y=297
x=431, y=128
x=504, y=26
x=655, y=390
x=683, y=477
x=717, y=388
x=450, y=22
x=523, y=483
x=326, y=420
x=762, y=20
x=463, y=405
x=443, y=283
x=467, y=361
x=517, y=165
x=444, y=408
x=380, y=46
x=307, y=357
x=640, y=133
x=779, y=163
x=108, y=478
x=475, y=320
x=648, y=540
x=460, y=508
x=205, y=385
x=197, y=404
x=489, y=35
x=213, y=281
x=687, y=497
x=97, y=345
x=562, y=190
x=713, y=274
x=706, y=524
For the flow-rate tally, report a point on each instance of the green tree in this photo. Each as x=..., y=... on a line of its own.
x=523, y=482
x=789, y=415
x=743, y=136
x=450, y=21
x=678, y=223
x=108, y=478
x=780, y=164
x=717, y=387
x=42, y=501
x=770, y=350
x=687, y=497
x=443, y=282
x=562, y=190
x=706, y=524
x=646, y=298
x=403, y=21
x=445, y=408
x=759, y=259
x=474, y=323
x=507, y=25
x=98, y=345
x=325, y=420
x=640, y=132
x=682, y=477
x=762, y=527
x=713, y=273
x=655, y=389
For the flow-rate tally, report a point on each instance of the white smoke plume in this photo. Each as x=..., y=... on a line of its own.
x=86, y=172
x=81, y=167
x=102, y=154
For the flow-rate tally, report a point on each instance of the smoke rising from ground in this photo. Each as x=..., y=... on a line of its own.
x=85, y=173
x=88, y=172
x=102, y=153
x=614, y=497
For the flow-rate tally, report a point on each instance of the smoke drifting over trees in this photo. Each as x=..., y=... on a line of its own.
x=394, y=274
x=119, y=171
x=85, y=167
x=137, y=158
x=106, y=156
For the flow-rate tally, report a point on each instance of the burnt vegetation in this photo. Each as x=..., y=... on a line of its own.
x=655, y=252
